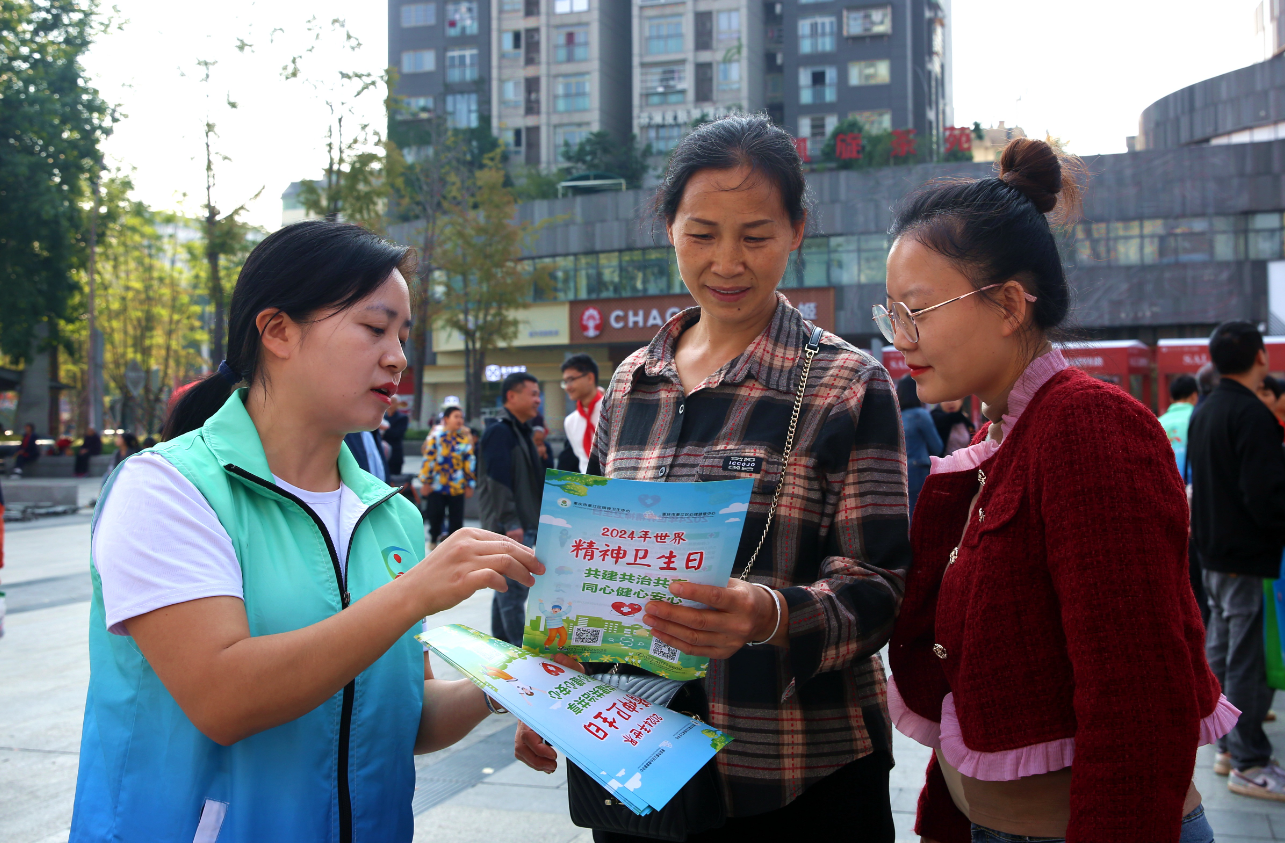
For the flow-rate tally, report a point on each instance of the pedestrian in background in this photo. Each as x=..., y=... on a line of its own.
x=28, y=451
x=922, y=440
x=510, y=484
x=394, y=437
x=953, y=426
x=1270, y=393
x=580, y=380
x=540, y=437
x=126, y=446
x=1238, y=528
x=1184, y=392
x=1048, y=647
x=448, y=475
x=1207, y=380
x=91, y=446
x=369, y=453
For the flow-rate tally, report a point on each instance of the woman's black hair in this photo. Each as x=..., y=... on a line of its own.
x=908, y=393
x=298, y=270
x=749, y=140
x=996, y=229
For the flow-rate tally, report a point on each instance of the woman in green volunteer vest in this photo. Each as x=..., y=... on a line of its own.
x=254, y=674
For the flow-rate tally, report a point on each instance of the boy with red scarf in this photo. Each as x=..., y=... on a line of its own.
x=580, y=380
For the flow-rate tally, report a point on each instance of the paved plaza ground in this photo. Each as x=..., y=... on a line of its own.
x=473, y=792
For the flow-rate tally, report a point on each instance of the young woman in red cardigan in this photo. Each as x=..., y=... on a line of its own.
x=1049, y=648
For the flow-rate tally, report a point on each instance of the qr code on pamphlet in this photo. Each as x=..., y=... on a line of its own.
x=586, y=635
x=661, y=650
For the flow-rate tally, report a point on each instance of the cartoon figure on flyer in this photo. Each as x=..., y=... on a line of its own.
x=554, y=623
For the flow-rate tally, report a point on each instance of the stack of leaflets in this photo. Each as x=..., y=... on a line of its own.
x=642, y=753
x=610, y=546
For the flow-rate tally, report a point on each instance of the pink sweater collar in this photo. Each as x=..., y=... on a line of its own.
x=1036, y=375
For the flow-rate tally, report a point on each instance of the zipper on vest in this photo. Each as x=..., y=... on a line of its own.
x=350, y=690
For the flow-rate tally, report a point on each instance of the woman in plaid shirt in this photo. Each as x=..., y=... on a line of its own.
x=710, y=399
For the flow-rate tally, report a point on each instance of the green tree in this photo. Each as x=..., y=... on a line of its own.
x=51, y=123
x=876, y=149
x=147, y=286
x=603, y=152
x=225, y=236
x=477, y=250
x=353, y=185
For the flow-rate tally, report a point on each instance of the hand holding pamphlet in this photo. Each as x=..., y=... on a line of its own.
x=642, y=753
x=610, y=546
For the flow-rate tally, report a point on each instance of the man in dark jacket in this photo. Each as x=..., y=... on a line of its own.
x=398, y=422
x=1238, y=528
x=510, y=482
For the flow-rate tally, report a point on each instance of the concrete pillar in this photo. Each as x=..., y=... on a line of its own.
x=33, y=393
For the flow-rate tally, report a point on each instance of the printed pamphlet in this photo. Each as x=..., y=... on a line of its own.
x=609, y=546
x=641, y=752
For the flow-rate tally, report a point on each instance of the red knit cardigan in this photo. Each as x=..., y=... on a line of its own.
x=1068, y=613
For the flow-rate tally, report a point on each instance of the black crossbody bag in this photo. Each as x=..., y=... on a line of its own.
x=699, y=805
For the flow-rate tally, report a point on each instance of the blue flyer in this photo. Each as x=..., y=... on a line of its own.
x=609, y=546
x=641, y=752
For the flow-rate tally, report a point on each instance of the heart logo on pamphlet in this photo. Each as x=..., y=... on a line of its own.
x=553, y=669
x=626, y=609
x=649, y=500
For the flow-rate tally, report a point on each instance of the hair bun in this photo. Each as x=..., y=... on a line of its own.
x=1033, y=167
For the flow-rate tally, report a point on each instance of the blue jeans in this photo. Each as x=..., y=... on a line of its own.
x=1195, y=829
x=508, y=608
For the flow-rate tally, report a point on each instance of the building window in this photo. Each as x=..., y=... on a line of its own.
x=774, y=84
x=664, y=35
x=729, y=76
x=874, y=122
x=419, y=14
x=414, y=108
x=704, y=81
x=567, y=7
x=532, y=47
x=664, y=138
x=419, y=61
x=566, y=138
x=874, y=20
x=511, y=44
x=729, y=26
x=532, y=99
x=704, y=30
x=571, y=93
x=511, y=6
x=664, y=85
x=816, y=128
x=571, y=43
x=461, y=65
x=512, y=138
x=461, y=18
x=817, y=84
x=511, y=93
x=876, y=72
x=461, y=111
x=816, y=35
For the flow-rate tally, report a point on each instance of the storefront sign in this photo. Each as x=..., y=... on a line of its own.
x=538, y=324
x=638, y=319
x=495, y=374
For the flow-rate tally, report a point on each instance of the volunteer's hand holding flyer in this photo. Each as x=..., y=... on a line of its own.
x=609, y=546
x=642, y=753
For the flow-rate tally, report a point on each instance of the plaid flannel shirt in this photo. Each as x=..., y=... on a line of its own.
x=837, y=550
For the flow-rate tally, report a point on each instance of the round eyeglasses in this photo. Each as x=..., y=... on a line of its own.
x=901, y=316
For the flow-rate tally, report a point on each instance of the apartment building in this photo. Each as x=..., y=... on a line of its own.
x=691, y=59
x=442, y=51
x=887, y=64
x=559, y=71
